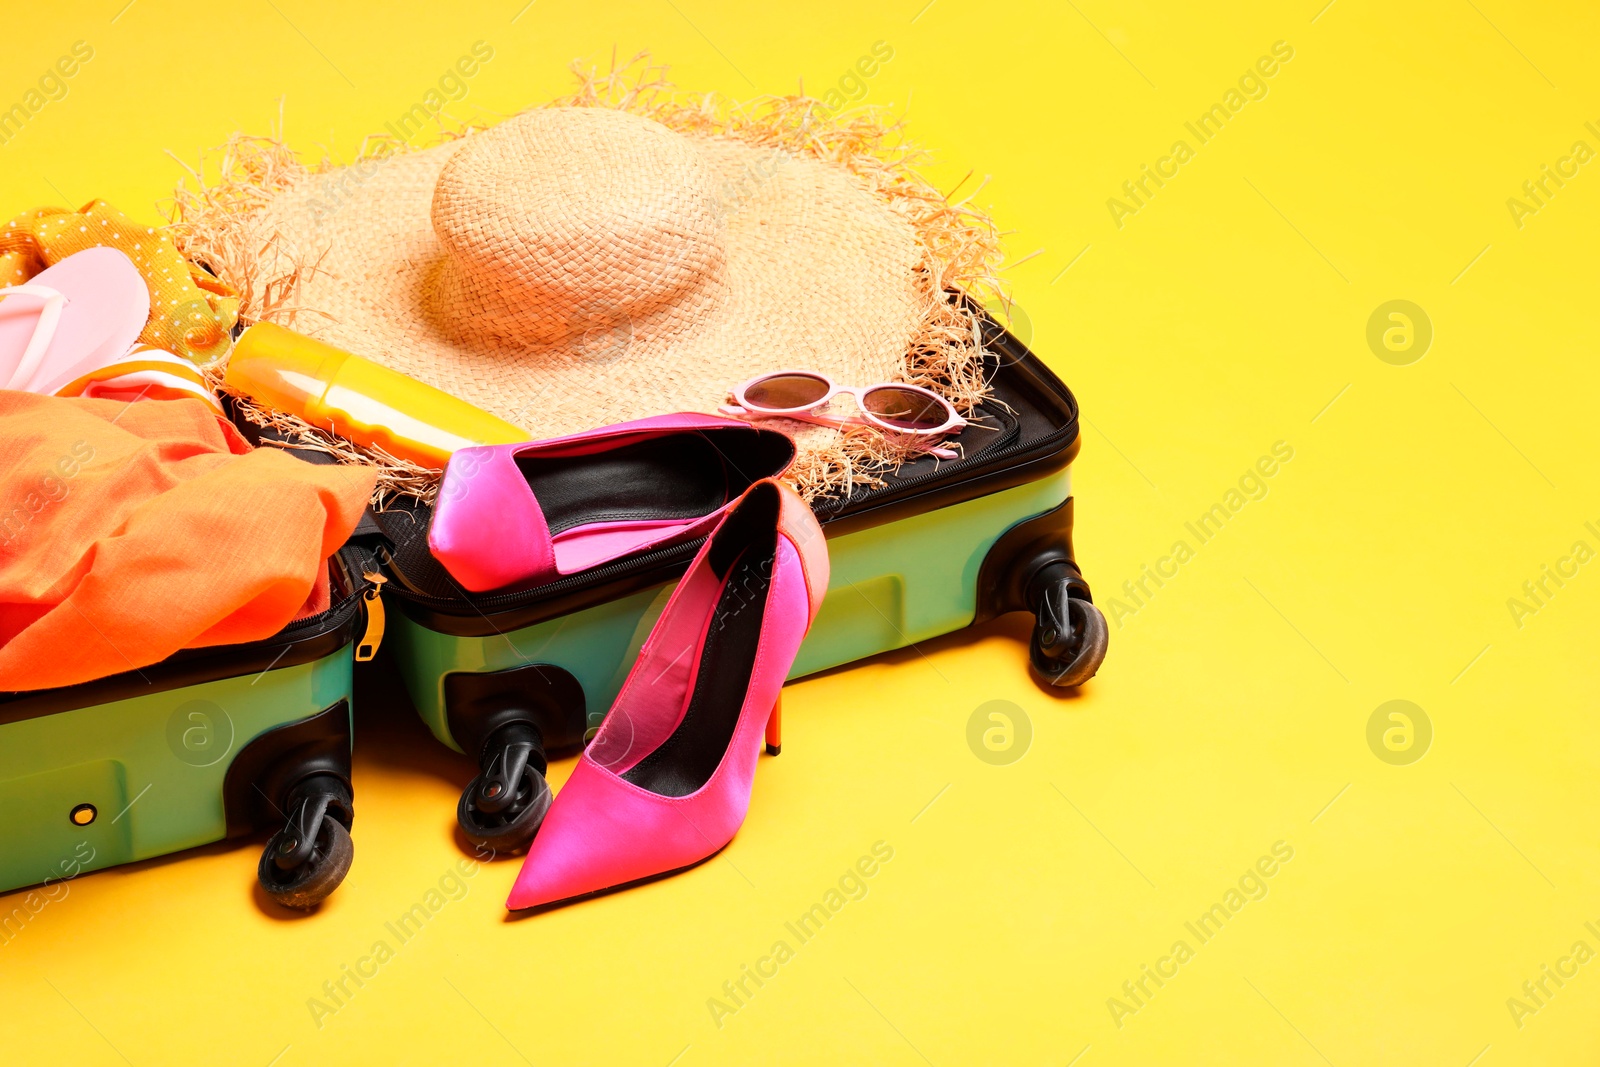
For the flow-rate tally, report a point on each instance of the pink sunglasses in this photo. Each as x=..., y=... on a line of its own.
x=890, y=407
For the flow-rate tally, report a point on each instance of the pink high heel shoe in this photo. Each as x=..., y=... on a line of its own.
x=526, y=514
x=666, y=782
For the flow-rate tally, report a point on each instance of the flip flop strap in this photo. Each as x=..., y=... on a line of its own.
x=43, y=331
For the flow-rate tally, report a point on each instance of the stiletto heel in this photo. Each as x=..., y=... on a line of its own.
x=775, y=728
x=667, y=780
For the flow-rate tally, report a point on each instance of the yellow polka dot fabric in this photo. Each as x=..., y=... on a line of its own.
x=191, y=312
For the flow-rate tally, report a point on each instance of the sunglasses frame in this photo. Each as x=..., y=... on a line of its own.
x=810, y=412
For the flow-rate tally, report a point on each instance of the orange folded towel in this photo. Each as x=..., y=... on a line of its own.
x=130, y=531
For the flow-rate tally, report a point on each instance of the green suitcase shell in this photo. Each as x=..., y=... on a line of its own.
x=208, y=744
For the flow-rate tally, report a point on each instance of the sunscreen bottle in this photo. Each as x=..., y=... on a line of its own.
x=358, y=399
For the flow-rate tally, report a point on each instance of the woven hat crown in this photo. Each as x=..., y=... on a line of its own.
x=563, y=220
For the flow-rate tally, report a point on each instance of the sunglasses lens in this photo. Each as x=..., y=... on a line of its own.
x=906, y=409
x=784, y=392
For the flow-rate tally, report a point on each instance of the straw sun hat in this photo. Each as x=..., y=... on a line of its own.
x=616, y=255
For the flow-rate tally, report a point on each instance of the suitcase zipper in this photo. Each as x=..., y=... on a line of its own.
x=367, y=647
x=641, y=564
x=556, y=588
x=340, y=611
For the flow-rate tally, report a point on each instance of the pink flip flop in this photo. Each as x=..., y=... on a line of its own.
x=76, y=317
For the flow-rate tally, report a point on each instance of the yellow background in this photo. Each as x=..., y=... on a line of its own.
x=1223, y=317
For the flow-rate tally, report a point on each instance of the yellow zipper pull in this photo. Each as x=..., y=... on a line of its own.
x=368, y=646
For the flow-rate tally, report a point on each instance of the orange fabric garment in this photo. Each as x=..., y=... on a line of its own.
x=129, y=531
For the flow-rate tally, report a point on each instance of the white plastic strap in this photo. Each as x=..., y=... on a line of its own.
x=43, y=332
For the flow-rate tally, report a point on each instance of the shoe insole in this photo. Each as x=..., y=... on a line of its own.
x=675, y=476
x=583, y=547
x=686, y=760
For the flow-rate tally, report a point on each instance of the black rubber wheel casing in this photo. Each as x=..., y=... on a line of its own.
x=1067, y=652
x=309, y=884
x=506, y=835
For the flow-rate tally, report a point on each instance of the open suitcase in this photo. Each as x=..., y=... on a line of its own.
x=208, y=744
x=509, y=677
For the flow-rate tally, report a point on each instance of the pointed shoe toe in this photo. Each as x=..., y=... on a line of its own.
x=609, y=834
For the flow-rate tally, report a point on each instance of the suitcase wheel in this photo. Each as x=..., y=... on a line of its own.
x=308, y=858
x=503, y=807
x=1069, y=633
